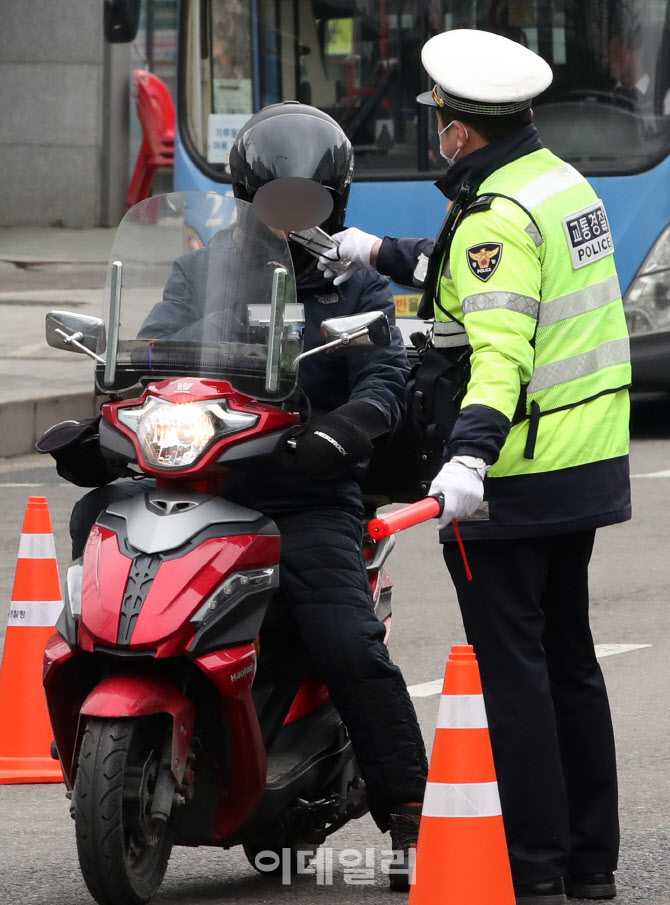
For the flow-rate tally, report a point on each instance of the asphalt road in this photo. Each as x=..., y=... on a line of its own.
x=630, y=593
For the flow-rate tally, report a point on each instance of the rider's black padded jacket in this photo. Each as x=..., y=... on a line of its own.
x=377, y=376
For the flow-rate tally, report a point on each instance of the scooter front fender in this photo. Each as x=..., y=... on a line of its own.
x=127, y=696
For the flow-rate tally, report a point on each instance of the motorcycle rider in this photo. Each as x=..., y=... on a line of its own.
x=355, y=401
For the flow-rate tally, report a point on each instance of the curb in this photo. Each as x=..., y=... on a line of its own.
x=24, y=420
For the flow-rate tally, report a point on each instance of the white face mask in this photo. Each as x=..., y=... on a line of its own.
x=450, y=160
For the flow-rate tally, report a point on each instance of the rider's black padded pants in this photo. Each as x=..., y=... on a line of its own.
x=324, y=589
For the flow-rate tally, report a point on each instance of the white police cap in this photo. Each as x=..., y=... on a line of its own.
x=483, y=73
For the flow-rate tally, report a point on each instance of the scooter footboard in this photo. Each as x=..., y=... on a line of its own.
x=123, y=696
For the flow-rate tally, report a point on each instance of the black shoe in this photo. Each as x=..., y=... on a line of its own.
x=404, y=827
x=591, y=886
x=549, y=892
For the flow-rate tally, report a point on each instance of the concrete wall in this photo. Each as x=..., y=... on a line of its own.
x=63, y=116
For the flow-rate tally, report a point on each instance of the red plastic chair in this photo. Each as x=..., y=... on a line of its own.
x=155, y=109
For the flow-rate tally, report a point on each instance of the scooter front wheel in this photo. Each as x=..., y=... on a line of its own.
x=123, y=851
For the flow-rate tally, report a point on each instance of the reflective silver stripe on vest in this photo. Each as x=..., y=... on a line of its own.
x=588, y=299
x=614, y=352
x=534, y=233
x=547, y=185
x=511, y=301
x=447, y=328
x=449, y=334
x=463, y=799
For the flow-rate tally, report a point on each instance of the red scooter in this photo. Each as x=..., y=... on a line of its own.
x=175, y=719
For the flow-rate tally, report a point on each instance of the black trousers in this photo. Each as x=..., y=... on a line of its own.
x=325, y=593
x=526, y=614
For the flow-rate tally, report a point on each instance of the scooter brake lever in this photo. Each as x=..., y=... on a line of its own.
x=290, y=441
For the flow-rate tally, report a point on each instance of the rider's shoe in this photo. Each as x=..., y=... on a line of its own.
x=404, y=826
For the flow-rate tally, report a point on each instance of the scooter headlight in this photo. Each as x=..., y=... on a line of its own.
x=174, y=435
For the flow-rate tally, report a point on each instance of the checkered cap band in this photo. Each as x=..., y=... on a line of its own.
x=442, y=98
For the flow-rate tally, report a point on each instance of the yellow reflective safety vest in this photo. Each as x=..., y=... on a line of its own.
x=531, y=277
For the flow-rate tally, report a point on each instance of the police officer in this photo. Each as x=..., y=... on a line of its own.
x=324, y=590
x=523, y=272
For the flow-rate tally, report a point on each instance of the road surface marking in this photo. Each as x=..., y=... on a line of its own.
x=427, y=689
x=608, y=650
x=653, y=474
x=3, y=484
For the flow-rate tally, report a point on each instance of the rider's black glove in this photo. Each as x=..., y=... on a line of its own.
x=334, y=443
x=75, y=445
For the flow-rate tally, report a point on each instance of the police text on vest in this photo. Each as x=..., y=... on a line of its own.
x=589, y=235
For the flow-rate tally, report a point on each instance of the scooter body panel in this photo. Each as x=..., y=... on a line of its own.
x=139, y=594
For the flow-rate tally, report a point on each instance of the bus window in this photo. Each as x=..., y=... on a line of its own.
x=607, y=111
x=358, y=61
x=361, y=63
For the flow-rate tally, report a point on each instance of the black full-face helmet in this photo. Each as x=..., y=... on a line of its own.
x=294, y=141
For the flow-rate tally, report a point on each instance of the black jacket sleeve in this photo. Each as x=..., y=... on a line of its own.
x=398, y=258
x=479, y=431
x=179, y=314
x=379, y=377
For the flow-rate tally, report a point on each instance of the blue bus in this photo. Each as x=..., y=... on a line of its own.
x=607, y=112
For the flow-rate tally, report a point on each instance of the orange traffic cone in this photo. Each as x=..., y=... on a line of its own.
x=25, y=731
x=461, y=856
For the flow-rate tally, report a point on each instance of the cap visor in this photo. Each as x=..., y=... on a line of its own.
x=427, y=99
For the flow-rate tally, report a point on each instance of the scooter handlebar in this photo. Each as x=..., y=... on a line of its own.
x=407, y=517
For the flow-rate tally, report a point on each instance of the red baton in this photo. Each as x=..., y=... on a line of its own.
x=408, y=516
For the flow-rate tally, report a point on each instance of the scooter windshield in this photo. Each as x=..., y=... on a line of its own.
x=198, y=286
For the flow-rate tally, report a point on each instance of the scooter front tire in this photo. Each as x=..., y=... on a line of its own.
x=122, y=861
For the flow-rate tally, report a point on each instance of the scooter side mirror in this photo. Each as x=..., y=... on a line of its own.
x=75, y=333
x=358, y=331
x=369, y=328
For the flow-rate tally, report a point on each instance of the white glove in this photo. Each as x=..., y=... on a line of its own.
x=354, y=248
x=462, y=488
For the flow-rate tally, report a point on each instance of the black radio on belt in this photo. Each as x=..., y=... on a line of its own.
x=436, y=389
x=402, y=469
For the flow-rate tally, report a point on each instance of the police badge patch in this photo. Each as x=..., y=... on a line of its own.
x=484, y=259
